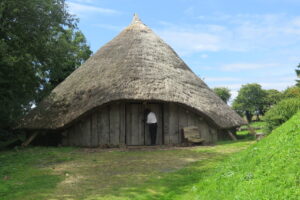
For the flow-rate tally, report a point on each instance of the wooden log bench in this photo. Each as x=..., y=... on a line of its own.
x=191, y=135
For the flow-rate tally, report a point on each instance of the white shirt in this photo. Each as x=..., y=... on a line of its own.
x=151, y=118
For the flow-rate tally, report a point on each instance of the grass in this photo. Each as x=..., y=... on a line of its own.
x=24, y=174
x=39, y=173
x=268, y=169
x=257, y=124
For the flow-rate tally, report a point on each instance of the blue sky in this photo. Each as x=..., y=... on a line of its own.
x=226, y=43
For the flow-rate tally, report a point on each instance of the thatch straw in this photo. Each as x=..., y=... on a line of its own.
x=135, y=65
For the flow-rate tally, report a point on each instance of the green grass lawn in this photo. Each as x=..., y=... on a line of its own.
x=269, y=169
x=243, y=170
x=39, y=173
x=257, y=124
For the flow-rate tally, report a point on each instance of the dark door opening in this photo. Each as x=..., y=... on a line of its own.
x=137, y=132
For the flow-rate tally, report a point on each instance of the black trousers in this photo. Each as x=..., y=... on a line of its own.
x=153, y=132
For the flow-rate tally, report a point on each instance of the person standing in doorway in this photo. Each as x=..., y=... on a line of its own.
x=152, y=123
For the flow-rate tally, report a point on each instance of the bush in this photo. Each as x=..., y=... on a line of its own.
x=281, y=112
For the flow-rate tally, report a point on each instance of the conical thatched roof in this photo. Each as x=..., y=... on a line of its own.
x=135, y=65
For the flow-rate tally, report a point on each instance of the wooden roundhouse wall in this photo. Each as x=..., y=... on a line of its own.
x=121, y=123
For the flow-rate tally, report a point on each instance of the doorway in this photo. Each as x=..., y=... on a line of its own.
x=137, y=132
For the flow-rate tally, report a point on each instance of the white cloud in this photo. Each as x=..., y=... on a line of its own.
x=237, y=33
x=246, y=66
x=188, y=42
x=279, y=85
x=222, y=79
x=82, y=9
x=110, y=27
x=230, y=86
x=84, y=1
x=203, y=55
x=189, y=11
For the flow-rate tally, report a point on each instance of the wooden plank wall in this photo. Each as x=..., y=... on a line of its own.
x=120, y=124
x=134, y=124
x=173, y=124
x=166, y=118
x=177, y=117
x=114, y=124
x=103, y=127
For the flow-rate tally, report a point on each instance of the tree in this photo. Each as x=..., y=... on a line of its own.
x=223, y=93
x=68, y=51
x=298, y=75
x=291, y=92
x=272, y=97
x=250, y=100
x=39, y=46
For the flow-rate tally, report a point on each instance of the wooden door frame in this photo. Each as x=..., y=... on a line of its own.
x=144, y=106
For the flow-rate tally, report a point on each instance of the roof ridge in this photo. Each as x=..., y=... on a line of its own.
x=136, y=19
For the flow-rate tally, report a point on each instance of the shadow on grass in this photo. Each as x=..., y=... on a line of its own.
x=21, y=175
x=171, y=184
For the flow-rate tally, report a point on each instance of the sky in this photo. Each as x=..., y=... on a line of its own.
x=226, y=43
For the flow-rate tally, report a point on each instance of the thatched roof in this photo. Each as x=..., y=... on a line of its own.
x=135, y=65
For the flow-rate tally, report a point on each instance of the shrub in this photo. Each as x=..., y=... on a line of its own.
x=281, y=112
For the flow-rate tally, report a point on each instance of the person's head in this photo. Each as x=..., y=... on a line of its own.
x=147, y=111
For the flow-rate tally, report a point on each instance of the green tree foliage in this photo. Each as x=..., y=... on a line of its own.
x=292, y=92
x=281, y=112
x=39, y=46
x=298, y=75
x=272, y=97
x=223, y=93
x=250, y=100
x=68, y=51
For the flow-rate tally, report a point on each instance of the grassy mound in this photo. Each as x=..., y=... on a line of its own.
x=269, y=169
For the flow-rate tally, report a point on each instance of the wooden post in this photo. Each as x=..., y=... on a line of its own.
x=251, y=130
x=29, y=140
x=232, y=136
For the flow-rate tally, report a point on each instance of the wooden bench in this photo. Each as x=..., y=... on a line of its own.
x=191, y=134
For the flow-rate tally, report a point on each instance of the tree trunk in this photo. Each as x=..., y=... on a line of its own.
x=257, y=117
x=248, y=116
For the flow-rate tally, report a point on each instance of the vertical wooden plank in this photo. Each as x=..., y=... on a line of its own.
x=99, y=127
x=137, y=135
x=103, y=126
x=141, y=125
x=77, y=139
x=183, y=121
x=146, y=129
x=65, y=138
x=166, y=123
x=204, y=131
x=128, y=120
x=73, y=134
x=94, y=133
x=114, y=125
x=86, y=132
x=134, y=125
x=173, y=123
x=122, y=123
x=214, y=134
x=70, y=136
x=191, y=119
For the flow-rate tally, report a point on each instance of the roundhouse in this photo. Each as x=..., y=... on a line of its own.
x=103, y=101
